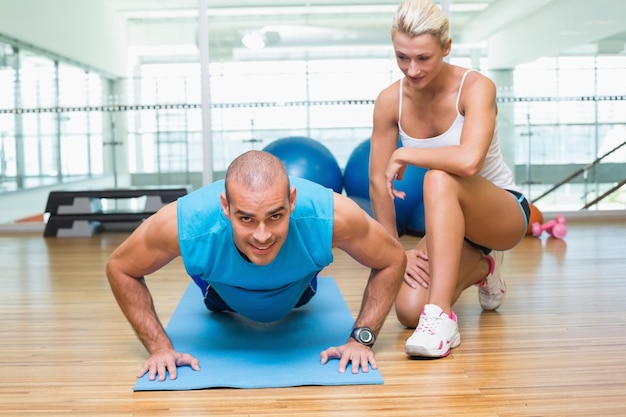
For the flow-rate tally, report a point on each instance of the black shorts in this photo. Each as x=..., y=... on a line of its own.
x=524, y=206
x=215, y=303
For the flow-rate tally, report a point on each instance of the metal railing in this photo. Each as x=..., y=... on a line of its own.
x=582, y=171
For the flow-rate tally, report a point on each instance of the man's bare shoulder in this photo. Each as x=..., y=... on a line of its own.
x=349, y=219
x=161, y=229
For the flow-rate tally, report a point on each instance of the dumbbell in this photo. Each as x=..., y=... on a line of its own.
x=555, y=228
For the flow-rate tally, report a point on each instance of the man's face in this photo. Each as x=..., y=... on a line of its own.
x=260, y=219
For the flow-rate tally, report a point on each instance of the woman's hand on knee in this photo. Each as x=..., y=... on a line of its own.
x=417, y=272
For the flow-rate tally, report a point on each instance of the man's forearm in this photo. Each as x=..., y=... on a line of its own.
x=378, y=297
x=136, y=303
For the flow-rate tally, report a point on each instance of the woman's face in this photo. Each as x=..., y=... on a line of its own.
x=419, y=57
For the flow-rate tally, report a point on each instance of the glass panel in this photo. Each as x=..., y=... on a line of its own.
x=564, y=113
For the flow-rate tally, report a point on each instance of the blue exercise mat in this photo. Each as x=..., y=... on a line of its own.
x=239, y=353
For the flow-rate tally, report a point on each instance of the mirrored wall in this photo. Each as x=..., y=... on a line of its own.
x=52, y=127
x=559, y=118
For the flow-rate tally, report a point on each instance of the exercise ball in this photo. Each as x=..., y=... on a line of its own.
x=413, y=185
x=536, y=216
x=416, y=226
x=356, y=183
x=356, y=173
x=307, y=158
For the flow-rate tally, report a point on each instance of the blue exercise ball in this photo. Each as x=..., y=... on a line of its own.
x=307, y=158
x=356, y=172
x=413, y=185
x=416, y=226
x=356, y=183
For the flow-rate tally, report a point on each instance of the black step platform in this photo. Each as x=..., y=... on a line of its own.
x=76, y=213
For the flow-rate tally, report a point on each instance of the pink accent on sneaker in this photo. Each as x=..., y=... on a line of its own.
x=436, y=333
x=492, y=290
x=492, y=265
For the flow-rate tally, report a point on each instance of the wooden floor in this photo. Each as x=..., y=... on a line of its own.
x=555, y=348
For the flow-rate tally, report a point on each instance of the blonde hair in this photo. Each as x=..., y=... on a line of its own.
x=417, y=17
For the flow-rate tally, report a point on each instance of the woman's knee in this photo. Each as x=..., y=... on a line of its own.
x=408, y=305
x=436, y=181
x=406, y=318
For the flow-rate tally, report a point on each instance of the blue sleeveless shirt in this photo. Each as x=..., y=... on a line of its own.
x=259, y=292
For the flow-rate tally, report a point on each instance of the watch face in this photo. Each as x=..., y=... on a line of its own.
x=366, y=336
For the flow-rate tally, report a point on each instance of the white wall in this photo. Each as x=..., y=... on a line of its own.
x=86, y=31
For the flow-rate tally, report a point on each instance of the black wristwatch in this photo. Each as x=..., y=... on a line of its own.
x=364, y=335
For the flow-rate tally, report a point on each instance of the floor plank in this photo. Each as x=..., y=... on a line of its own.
x=555, y=348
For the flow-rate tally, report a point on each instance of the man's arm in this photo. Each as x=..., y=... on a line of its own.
x=150, y=247
x=370, y=244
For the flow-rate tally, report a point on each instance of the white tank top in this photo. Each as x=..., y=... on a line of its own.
x=494, y=168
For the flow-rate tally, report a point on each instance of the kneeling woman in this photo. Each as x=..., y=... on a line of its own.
x=445, y=116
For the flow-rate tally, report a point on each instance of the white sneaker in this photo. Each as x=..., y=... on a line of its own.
x=492, y=290
x=435, y=334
